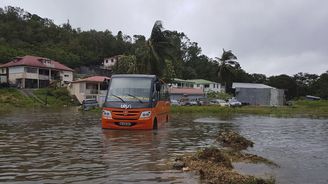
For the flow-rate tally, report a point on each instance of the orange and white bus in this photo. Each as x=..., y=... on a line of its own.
x=135, y=102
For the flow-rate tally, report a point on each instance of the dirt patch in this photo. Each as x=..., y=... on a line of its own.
x=233, y=140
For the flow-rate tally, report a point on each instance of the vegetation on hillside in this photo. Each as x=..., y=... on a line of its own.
x=169, y=54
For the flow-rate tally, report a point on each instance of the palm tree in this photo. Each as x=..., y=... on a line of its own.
x=227, y=66
x=153, y=53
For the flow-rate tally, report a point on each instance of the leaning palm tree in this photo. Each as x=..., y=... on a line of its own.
x=227, y=66
x=154, y=52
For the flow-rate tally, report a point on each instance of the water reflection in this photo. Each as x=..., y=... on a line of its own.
x=68, y=146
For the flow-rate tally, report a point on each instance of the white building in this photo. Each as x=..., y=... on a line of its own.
x=205, y=85
x=110, y=62
x=90, y=88
x=35, y=72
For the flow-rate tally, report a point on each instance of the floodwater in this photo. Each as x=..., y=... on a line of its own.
x=68, y=146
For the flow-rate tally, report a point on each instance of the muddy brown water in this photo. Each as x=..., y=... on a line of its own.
x=68, y=146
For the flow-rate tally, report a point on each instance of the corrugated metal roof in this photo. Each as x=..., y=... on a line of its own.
x=249, y=85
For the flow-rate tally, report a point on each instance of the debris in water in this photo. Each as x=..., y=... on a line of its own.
x=233, y=140
x=214, y=167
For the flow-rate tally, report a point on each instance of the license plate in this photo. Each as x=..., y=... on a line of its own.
x=125, y=124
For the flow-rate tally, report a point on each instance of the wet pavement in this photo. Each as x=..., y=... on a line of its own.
x=68, y=146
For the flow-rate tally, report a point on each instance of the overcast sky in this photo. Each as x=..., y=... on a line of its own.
x=267, y=36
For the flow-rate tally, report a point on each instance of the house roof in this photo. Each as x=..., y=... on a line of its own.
x=201, y=81
x=194, y=81
x=36, y=61
x=188, y=91
x=249, y=85
x=92, y=79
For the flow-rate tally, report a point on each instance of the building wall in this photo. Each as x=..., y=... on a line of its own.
x=179, y=96
x=79, y=90
x=109, y=62
x=16, y=72
x=277, y=97
x=254, y=96
x=66, y=76
x=260, y=96
x=216, y=87
x=16, y=69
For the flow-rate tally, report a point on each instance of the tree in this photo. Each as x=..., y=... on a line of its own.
x=154, y=51
x=321, y=86
x=284, y=82
x=126, y=65
x=227, y=66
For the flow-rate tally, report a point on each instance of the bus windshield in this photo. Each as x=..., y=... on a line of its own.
x=127, y=89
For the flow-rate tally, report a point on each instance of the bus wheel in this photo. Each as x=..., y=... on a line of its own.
x=155, y=124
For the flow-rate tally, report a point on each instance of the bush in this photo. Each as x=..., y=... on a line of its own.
x=218, y=95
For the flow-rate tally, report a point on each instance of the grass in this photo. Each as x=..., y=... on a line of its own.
x=54, y=97
x=298, y=108
x=11, y=98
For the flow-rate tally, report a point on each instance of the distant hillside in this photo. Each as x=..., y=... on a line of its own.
x=23, y=33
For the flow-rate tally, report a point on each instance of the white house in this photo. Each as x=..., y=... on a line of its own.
x=90, y=88
x=205, y=85
x=110, y=62
x=35, y=72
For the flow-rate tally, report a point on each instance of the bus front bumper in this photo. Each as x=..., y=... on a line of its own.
x=126, y=124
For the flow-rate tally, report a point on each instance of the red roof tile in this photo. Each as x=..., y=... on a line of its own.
x=36, y=61
x=93, y=79
x=188, y=91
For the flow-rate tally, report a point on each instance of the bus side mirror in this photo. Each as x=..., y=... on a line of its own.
x=158, y=86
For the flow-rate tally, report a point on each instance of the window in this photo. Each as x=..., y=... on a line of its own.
x=206, y=85
x=66, y=75
x=112, y=60
x=31, y=70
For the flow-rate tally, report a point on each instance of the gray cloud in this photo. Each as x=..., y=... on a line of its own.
x=271, y=37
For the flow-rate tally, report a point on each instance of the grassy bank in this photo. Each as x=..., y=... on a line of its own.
x=298, y=108
x=13, y=98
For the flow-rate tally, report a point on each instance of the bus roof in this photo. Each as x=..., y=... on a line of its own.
x=133, y=76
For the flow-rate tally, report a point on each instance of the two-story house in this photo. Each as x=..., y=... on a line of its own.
x=35, y=72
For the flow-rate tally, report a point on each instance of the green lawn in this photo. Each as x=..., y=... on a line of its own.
x=298, y=108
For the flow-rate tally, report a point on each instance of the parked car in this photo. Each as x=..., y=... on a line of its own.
x=233, y=102
x=220, y=102
x=193, y=102
x=175, y=102
x=184, y=101
x=88, y=104
x=202, y=101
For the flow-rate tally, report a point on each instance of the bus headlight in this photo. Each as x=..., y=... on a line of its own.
x=145, y=114
x=107, y=114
